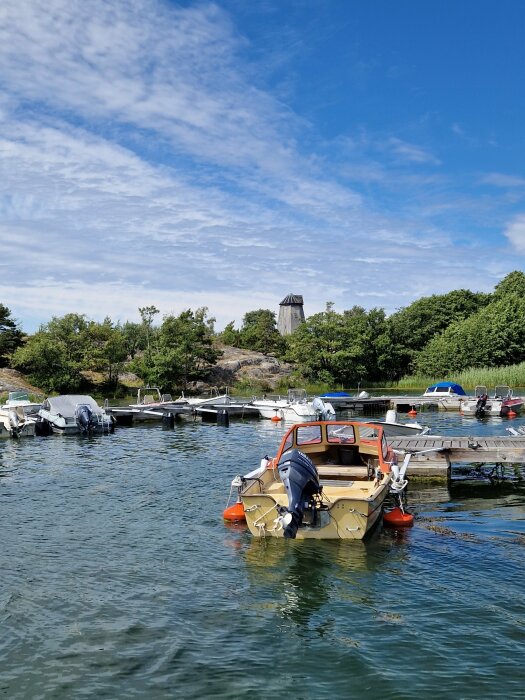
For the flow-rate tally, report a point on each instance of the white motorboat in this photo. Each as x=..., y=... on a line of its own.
x=448, y=396
x=151, y=405
x=20, y=397
x=72, y=414
x=215, y=398
x=294, y=408
x=14, y=423
x=500, y=404
x=393, y=428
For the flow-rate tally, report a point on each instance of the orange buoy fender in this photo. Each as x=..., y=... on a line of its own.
x=413, y=412
x=235, y=513
x=276, y=419
x=511, y=414
x=397, y=518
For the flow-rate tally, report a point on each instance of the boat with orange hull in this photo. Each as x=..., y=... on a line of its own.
x=328, y=480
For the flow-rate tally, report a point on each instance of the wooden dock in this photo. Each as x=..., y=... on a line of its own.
x=435, y=455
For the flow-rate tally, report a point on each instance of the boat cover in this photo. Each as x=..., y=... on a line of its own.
x=66, y=404
x=457, y=388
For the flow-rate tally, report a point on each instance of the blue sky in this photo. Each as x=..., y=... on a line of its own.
x=226, y=154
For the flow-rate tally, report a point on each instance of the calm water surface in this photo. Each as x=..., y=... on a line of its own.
x=120, y=579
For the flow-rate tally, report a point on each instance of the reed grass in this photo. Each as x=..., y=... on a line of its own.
x=512, y=375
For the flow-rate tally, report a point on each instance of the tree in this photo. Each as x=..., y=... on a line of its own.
x=338, y=348
x=259, y=332
x=230, y=336
x=410, y=329
x=493, y=337
x=147, y=314
x=10, y=335
x=185, y=351
x=106, y=349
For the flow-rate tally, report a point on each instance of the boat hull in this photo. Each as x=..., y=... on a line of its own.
x=344, y=518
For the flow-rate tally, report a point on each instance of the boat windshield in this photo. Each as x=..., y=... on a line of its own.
x=18, y=396
x=340, y=433
x=308, y=434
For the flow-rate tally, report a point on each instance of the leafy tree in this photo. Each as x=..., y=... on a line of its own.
x=48, y=363
x=410, y=329
x=338, y=348
x=513, y=283
x=10, y=335
x=494, y=336
x=259, y=332
x=134, y=338
x=230, y=336
x=185, y=352
x=106, y=349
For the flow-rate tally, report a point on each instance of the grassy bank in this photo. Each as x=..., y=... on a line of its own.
x=512, y=375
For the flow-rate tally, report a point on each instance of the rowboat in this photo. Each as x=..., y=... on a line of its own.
x=328, y=480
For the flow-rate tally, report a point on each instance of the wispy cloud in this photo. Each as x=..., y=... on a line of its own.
x=515, y=232
x=144, y=159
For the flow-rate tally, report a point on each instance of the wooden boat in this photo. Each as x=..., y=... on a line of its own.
x=328, y=480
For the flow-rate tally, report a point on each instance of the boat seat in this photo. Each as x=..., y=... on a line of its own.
x=335, y=471
x=148, y=398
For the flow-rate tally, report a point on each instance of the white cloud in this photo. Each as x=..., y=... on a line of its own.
x=515, y=232
x=141, y=163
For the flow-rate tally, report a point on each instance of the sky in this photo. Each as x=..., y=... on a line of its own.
x=226, y=154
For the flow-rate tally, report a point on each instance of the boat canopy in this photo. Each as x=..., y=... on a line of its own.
x=444, y=387
x=335, y=394
x=66, y=404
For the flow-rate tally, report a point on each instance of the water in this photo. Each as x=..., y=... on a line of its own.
x=120, y=579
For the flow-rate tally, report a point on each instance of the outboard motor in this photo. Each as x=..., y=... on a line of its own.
x=83, y=415
x=14, y=422
x=480, y=405
x=301, y=481
x=325, y=411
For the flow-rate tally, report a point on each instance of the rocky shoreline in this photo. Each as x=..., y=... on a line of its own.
x=235, y=366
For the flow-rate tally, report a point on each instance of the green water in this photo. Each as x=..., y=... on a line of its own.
x=120, y=580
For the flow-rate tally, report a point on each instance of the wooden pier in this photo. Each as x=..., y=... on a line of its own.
x=434, y=455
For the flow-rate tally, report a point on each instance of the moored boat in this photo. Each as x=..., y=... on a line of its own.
x=295, y=408
x=328, y=480
x=392, y=427
x=15, y=423
x=20, y=398
x=71, y=414
x=448, y=395
x=502, y=403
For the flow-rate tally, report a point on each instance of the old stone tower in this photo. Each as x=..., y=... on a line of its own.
x=291, y=314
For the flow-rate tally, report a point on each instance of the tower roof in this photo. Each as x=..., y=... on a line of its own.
x=292, y=299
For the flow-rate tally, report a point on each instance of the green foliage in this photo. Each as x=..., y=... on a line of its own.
x=513, y=283
x=10, y=335
x=494, y=336
x=55, y=357
x=49, y=363
x=334, y=348
x=259, y=332
x=230, y=336
x=412, y=328
x=184, y=350
x=511, y=375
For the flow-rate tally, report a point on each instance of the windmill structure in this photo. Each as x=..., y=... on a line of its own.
x=291, y=314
